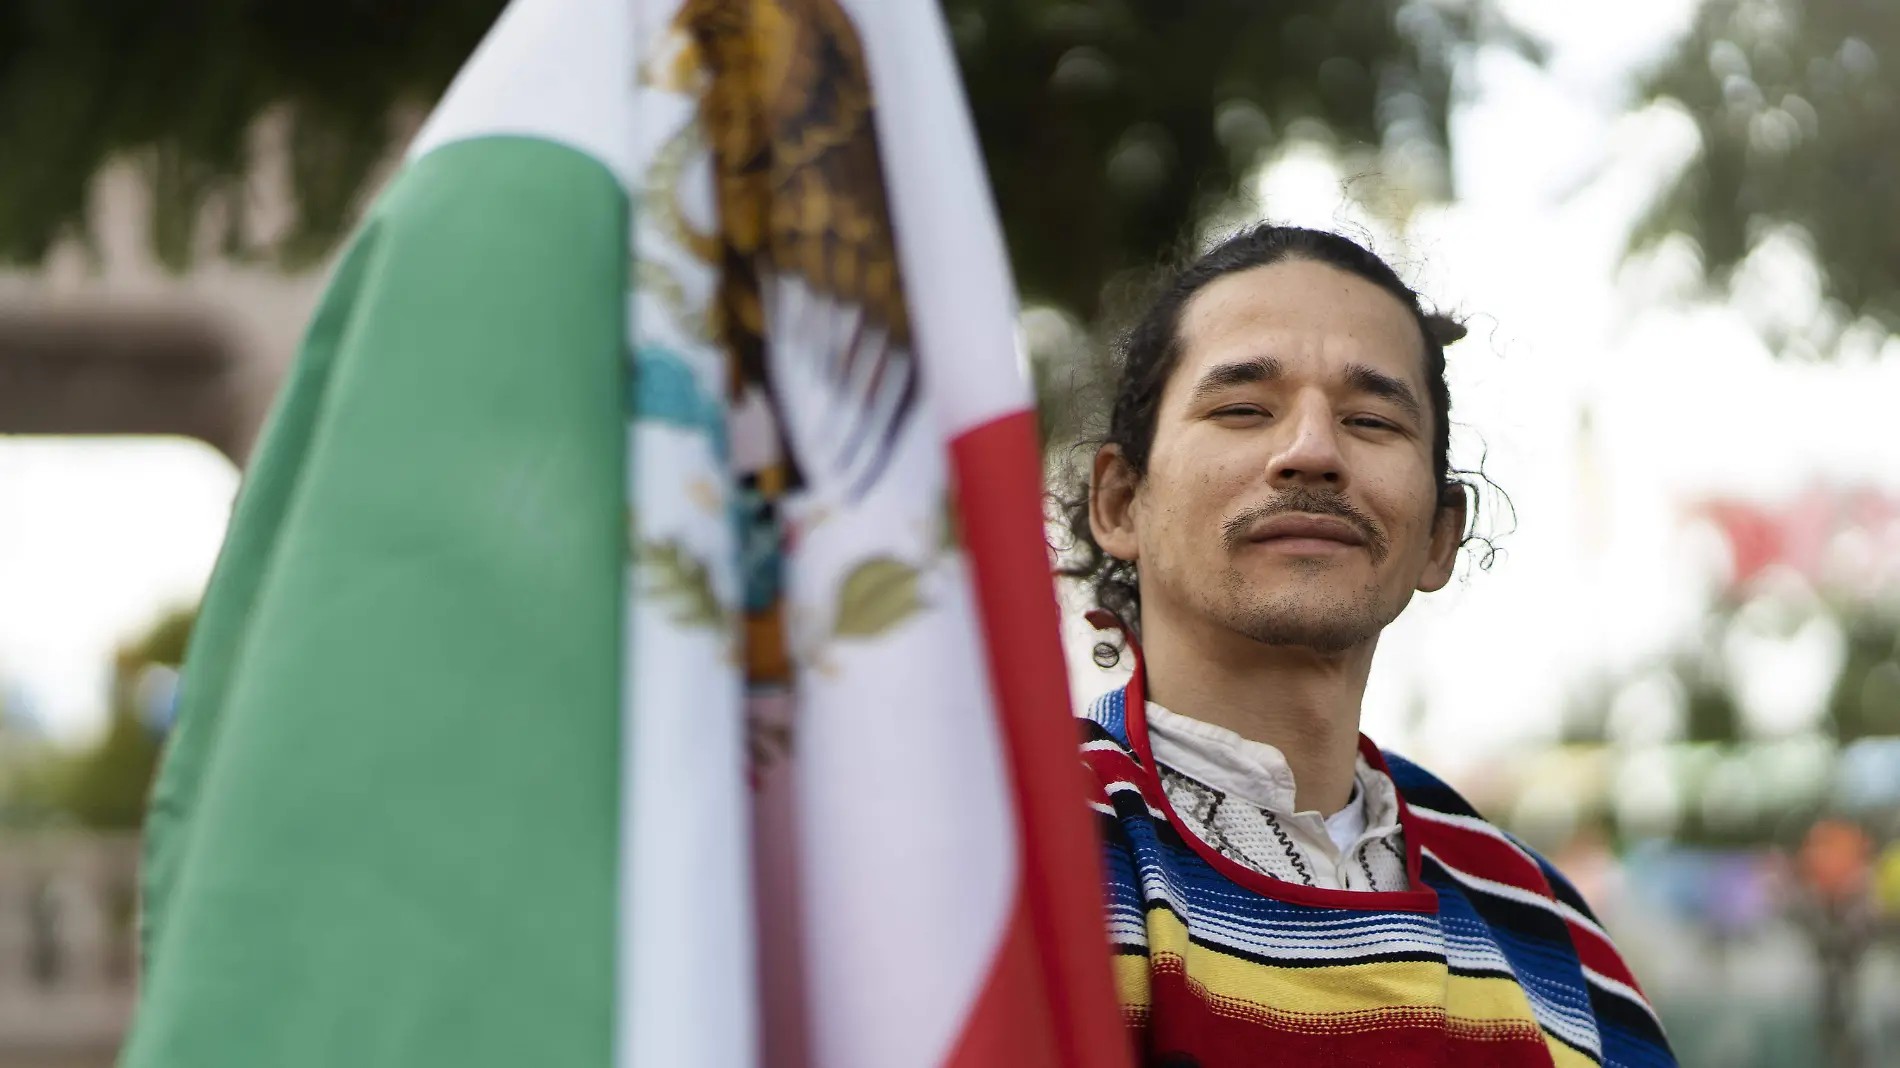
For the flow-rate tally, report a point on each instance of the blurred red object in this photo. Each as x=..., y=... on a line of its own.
x=1835, y=859
x=1800, y=535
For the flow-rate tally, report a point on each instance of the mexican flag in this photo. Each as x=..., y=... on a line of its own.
x=634, y=643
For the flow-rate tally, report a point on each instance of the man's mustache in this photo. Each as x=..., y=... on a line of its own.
x=1302, y=500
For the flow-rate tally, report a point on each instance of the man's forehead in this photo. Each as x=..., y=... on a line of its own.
x=1295, y=311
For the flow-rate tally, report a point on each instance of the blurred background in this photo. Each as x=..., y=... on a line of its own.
x=1670, y=223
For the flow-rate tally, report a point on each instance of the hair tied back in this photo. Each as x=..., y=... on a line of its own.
x=1444, y=329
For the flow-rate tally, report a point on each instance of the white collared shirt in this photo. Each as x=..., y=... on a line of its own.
x=1237, y=796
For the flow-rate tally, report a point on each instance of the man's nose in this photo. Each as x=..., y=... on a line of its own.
x=1309, y=453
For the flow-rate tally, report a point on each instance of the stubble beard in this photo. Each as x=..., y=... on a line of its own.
x=1323, y=621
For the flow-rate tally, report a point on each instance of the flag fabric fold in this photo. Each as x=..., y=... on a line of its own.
x=384, y=830
x=634, y=641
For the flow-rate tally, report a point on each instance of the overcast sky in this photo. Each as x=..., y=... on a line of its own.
x=1608, y=398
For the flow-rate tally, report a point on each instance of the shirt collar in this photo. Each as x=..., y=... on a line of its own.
x=1258, y=773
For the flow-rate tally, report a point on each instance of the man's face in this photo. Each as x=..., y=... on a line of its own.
x=1290, y=495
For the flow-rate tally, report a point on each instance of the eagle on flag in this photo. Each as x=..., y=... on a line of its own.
x=804, y=248
x=805, y=233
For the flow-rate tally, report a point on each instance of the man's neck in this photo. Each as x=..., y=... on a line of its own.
x=1301, y=702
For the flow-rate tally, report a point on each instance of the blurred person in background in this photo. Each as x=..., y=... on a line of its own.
x=1273, y=486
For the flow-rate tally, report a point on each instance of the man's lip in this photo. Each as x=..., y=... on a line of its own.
x=1301, y=525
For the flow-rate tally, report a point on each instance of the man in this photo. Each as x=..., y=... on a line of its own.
x=1273, y=487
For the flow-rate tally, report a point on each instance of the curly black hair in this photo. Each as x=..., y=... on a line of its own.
x=1148, y=352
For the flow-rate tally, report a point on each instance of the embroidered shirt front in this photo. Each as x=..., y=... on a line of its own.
x=1237, y=795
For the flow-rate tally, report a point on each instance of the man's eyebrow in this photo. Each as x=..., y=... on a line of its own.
x=1239, y=373
x=1363, y=379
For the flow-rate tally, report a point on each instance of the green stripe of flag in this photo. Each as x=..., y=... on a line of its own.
x=384, y=834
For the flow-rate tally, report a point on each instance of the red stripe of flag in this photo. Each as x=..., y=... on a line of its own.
x=1057, y=936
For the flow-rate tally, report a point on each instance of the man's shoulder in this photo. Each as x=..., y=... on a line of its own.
x=1422, y=789
x=1467, y=855
x=1461, y=838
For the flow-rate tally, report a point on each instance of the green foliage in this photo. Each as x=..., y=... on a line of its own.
x=1110, y=126
x=178, y=85
x=1797, y=102
x=105, y=785
x=1710, y=710
x=1865, y=699
x=165, y=643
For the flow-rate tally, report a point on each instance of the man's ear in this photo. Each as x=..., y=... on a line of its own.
x=1112, y=502
x=1448, y=532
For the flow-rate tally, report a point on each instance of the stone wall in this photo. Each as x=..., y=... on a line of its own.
x=68, y=959
x=101, y=338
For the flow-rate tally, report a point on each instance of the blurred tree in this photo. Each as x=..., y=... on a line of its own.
x=1862, y=700
x=22, y=751
x=105, y=786
x=1709, y=710
x=1865, y=698
x=1796, y=102
x=1110, y=126
x=180, y=83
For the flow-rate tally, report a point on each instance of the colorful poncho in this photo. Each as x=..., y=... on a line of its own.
x=1490, y=959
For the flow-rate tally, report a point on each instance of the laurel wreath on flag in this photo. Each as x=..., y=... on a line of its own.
x=877, y=594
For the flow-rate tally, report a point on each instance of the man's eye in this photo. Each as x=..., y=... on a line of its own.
x=1370, y=423
x=1238, y=410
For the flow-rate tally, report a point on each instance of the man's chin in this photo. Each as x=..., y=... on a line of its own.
x=1324, y=626
x=1323, y=640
